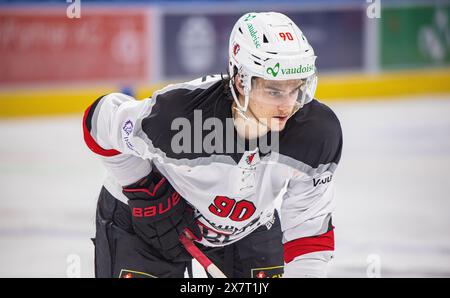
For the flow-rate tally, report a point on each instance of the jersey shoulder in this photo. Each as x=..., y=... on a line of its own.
x=313, y=135
x=177, y=100
x=175, y=108
x=187, y=95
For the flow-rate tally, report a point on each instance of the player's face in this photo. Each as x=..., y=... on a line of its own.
x=272, y=102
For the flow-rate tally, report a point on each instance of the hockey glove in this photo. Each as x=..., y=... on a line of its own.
x=160, y=215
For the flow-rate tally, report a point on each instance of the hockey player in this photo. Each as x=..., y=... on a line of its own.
x=212, y=155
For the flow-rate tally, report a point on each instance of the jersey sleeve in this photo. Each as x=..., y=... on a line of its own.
x=111, y=125
x=306, y=210
x=111, y=129
x=128, y=134
x=306, y=213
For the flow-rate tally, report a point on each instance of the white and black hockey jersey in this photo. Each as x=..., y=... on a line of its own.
x=232, y=186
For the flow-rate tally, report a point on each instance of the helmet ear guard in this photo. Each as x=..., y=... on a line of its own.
x=241, y=109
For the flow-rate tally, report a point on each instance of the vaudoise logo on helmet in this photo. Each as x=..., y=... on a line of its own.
x=252, y=31
x=289, y=71
x=249, y=17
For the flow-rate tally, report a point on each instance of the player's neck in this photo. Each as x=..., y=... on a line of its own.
x=249, y=128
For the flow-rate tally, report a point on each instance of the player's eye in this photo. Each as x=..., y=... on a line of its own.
x=274, y=93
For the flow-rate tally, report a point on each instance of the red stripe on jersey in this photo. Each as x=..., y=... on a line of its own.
x=91, y=143
x=301, y=246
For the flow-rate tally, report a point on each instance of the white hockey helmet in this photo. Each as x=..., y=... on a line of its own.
x=270, y=45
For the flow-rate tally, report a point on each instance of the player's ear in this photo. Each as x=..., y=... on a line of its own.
x=238, y=85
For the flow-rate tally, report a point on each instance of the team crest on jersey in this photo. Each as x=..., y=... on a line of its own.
x=249, y=158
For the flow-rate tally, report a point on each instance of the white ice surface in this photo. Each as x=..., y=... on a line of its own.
x=392, y=192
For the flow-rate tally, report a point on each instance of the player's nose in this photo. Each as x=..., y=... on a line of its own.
x=284, y=108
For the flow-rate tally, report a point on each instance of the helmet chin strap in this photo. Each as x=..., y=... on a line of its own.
x=252, y=117
x=242, y=110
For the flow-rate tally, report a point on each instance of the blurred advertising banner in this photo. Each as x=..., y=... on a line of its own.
x=39, y=45
x=196, y=43
x=415, y=37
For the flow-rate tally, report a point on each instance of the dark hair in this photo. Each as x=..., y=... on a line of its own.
x=226, y=86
